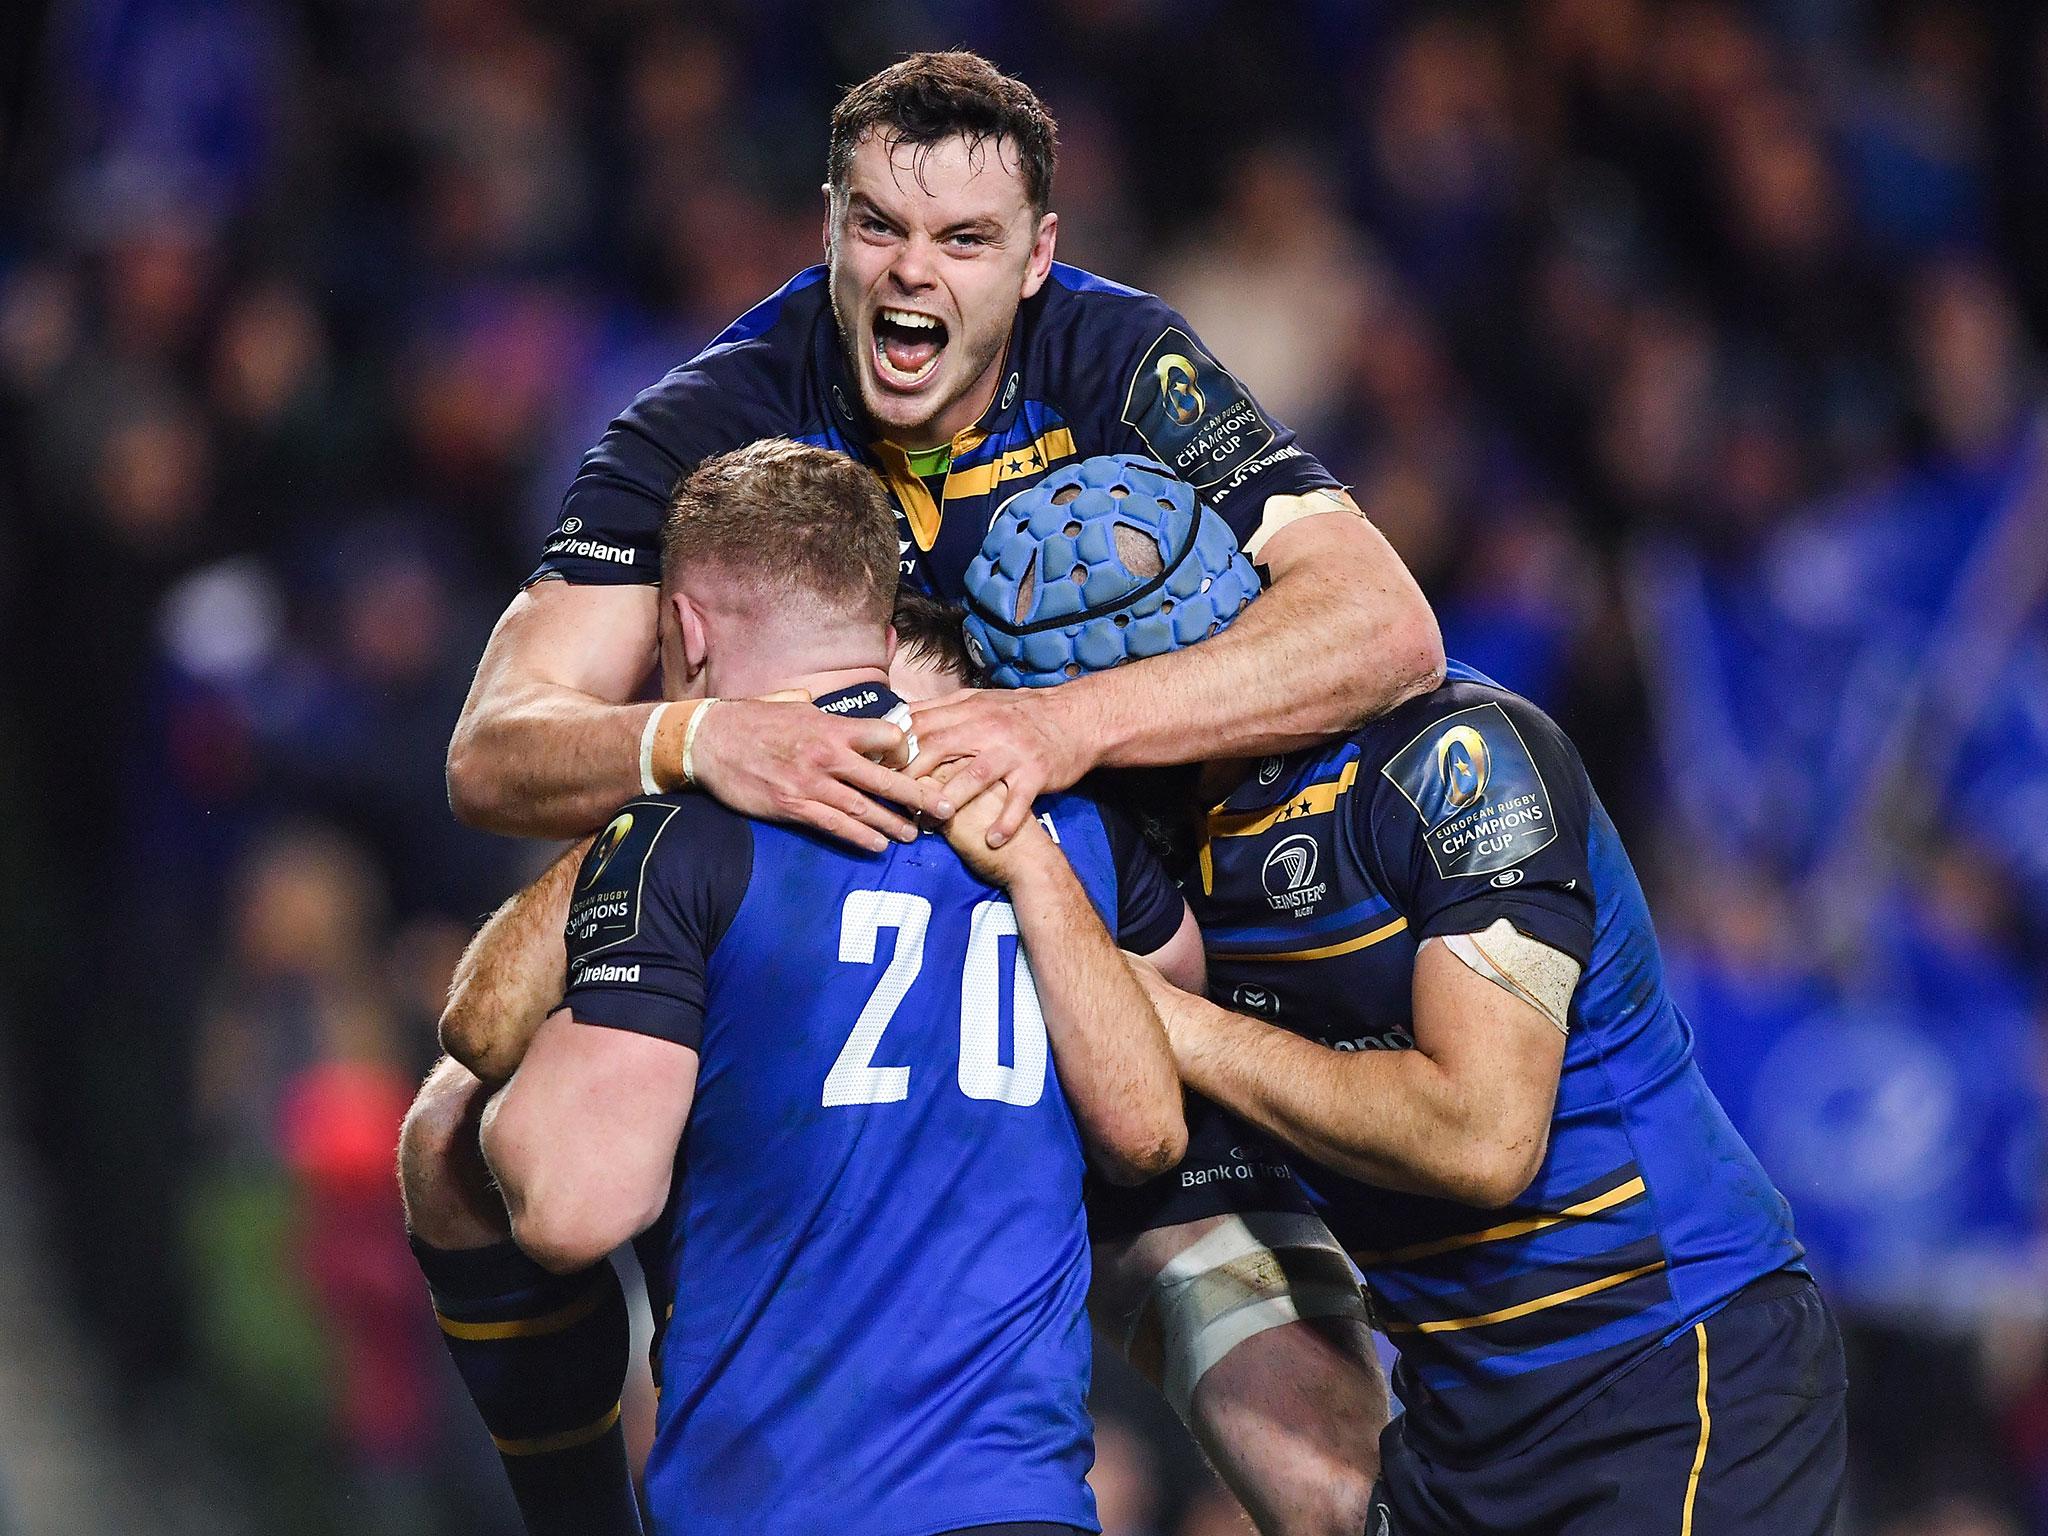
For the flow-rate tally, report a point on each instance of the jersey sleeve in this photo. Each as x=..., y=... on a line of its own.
x=1149, y=906
x=655, y=895
x=1176, y=402
x=1482, y=814
x=610, y=532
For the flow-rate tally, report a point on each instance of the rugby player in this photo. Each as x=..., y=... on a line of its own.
x=1438, y=982
x=942, y=345
x=873, y=1275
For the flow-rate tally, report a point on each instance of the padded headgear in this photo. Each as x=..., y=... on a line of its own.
x=1050, y=597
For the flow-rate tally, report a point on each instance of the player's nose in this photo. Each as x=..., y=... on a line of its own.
x=913, y=270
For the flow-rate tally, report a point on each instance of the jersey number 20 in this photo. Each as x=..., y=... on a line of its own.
x=854, y=1079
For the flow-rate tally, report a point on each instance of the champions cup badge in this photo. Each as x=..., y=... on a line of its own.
x=607, y=844
x=1464, y=765
x=1178, y=391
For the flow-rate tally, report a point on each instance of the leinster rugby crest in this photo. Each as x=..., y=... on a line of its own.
x=1478, y=791
x=604, y=907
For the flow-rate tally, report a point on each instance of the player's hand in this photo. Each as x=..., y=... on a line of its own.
x=1011, y=736
x=1018, y=859
x=787, y=762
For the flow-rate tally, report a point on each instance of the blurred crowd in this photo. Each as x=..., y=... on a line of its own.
x=1689, y=352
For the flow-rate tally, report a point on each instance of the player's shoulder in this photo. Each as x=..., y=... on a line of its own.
x=665, y=837
x=662, y=866
x=1472, y=751
x=762, y=358
x=1078, y=305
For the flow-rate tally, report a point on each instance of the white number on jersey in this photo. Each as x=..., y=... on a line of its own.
x=855, y=1079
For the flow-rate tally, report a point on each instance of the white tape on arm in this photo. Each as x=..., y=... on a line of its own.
x=1540, y=976
x=649, y=785
x=1279, y=511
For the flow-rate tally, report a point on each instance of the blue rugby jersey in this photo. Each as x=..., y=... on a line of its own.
x=873, y=1266
x=1093, y=367
x=1320, y=876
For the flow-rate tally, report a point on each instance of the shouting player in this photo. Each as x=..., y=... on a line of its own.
x=1445, y=994
x=942, y=346
x=874, y=1273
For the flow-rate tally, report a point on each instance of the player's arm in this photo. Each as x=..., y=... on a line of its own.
x=546, y=745
x=1465, y=1115
x=1114, y=1064
x=512, y=974
x=1341, y=635
x=583, y=1140
x=1502, y=906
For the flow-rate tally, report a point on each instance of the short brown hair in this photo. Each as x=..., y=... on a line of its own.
x=931, y=97
x=798, y=518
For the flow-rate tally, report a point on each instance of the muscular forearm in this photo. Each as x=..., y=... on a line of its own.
x=1392, y=1118
x=1342, y=635
x=1114, y=1064
x=545, y=761
x=511, y=976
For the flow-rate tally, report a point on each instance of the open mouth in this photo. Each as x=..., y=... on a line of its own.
x=907, y=346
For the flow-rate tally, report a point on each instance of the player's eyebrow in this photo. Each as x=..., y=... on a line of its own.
x=860, y=203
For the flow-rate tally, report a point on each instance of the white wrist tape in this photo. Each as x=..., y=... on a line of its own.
x=899, y=716
x=1260, y=1270
x=649, y=785
x=1540, y=976
x=690, y=742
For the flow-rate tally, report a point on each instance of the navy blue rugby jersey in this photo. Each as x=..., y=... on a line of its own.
x=1093, y=367
x=873, y=1266
x=1320, y=876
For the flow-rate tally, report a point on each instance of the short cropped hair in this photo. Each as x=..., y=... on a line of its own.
x=793, y=518
x=935, y=632
x=931, y=97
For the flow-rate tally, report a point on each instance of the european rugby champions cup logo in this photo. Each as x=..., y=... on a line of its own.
x=1464, y=766
x=1178, y=391
x=607, y=844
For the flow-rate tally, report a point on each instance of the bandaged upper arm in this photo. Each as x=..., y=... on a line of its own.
x=1280, y=511
x=1528, y=968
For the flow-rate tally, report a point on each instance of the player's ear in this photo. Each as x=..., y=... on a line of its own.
x=1042, y=243
x=831, y=215
x=696, y=644
x=889, y=648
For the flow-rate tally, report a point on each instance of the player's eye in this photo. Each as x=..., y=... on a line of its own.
x=870, y=225
x=966, y=242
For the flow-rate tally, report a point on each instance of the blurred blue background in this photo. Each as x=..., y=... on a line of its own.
x=1689, y=352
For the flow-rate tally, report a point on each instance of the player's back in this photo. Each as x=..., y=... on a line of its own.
x=875, y=1246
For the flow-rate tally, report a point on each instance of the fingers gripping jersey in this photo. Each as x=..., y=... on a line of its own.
x=873, y=1268
x=1092, y=368
x=1322, y=875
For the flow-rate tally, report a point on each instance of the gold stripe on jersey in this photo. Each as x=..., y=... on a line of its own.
x=1327, y=951
x=1525, y=1308
x=1315, y=800
x=1621, y=1194
x=1041, y=453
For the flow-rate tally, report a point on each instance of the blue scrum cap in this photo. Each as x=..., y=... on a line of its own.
x=1053, y=593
